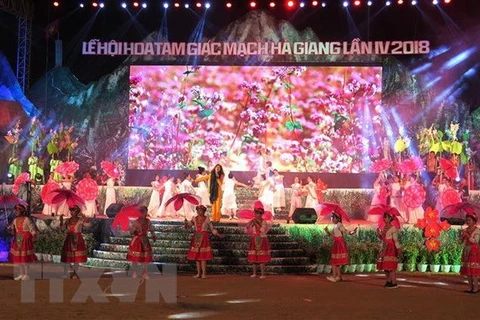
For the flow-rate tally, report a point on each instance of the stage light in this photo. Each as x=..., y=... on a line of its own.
x=56, y=4
x=388, y=3
x=207, y=5
x=124, y=5
x=357, y=3
x=228, y=4
x=253, y=4
x=324, y=4
x=165, y=5
x=176, y=5
x=136, y=4
x=186, y=6
x=369, y=3
x=198, y=4
x=345, y=4
x=272, y=4
x=314, y=3
x=94, y=4
x=102, y=5
x=400, y=2
x=414, y=2
x=302, y=4
x=447, y=1
x=435, y=2
x=144, y=5
x=290, y=4
x=82, y=5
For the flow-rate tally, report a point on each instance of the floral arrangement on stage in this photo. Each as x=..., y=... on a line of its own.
x=432, y=229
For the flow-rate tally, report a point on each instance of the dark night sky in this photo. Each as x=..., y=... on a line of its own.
x=398, y=22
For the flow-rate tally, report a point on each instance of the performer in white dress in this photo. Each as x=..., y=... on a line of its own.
x=279, y=195
x=265, y=194
x=312, y=199
x=229, y=200
x=441, y=187
x=414, y=213
x=396, y=198
x=110, y=196
x=296, y=198
x=154, y=203
x=169, y=191
x=379, y=198
x=50, y=209
x=63, y=209
x=188, y=209
x=202, y=190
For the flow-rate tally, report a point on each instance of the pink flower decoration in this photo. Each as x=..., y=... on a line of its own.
x=67, y=168
x=414, y=196
x=87, y=189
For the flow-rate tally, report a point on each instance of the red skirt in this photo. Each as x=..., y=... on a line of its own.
x=74, y=249
x=387, y=258
x=200, y=247
x=21, y=250
x=470, y=261
x=140, y=250
x=259, y=250
x=339, y=252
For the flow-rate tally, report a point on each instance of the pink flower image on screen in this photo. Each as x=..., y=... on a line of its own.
x=314, y=118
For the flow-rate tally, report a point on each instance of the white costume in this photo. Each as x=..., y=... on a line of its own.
x=279, y=195
x=154, y=198
x=229, y=200
x=110, y=196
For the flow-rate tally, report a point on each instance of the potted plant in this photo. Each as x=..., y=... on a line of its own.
x=323, y=257
x=456, y=250
x=445, y=258
x=410, y=254
x=422, y=259
x=371, y=256
x=362, y=252
x=434, y=259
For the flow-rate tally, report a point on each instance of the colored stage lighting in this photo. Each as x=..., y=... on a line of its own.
x=102, y=5
x=253, y=4
x=144, y=5
x=176, y=5
x=82, y=5
x=271, y=4
x=165, y=5
x=124, y=5
x=290, y=4
x=136, y=4
x=357, y=3
x=314, y=3
x=414, y=2
x=388, y=3
x=345, y=4
x=369, y=3
x=94, y=4
x=302, y=4
x=198, y=4
x=56, y=4
x=435, y=2
x=228, y=4
x=207, y=5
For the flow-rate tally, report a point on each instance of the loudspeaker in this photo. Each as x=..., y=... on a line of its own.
x=113, y=209
x=304, y=216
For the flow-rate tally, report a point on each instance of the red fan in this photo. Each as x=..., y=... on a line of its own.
x=124, y=216
x=110, y=169
x=378, y=209
x=67, y=168
x=47, y=193
x=329, y=208
x=449, y=168
x=87, y=189
x=450, y=196
x=22, y=178
x=460, y=210
x=179, y=199
x=414, y=196
x=250, y=214
x=68, y=196
x=381, y=165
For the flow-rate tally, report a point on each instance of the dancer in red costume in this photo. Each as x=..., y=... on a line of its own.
x=74, y=249
x=200, y=249
x=471, y=253
x=140, y=250
x=21, y=250
x=391, y=250
x=339, y=249
x=259, y=249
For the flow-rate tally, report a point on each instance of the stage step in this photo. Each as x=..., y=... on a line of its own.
x=212, y=269
x=230, y=252
x=216, y=252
